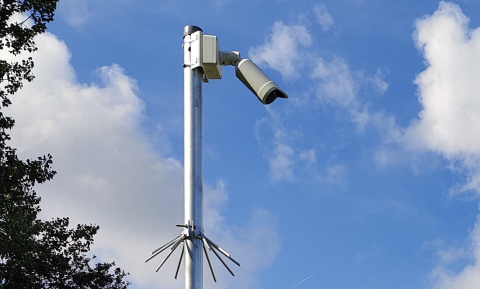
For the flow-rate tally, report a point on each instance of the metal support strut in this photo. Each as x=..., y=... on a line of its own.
x=208, y=245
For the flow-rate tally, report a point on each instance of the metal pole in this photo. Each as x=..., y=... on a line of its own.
x=193, y=165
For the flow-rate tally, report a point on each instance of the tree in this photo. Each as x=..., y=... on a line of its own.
x=35, y=253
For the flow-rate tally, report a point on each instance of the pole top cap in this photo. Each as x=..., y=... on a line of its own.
x=187, y=30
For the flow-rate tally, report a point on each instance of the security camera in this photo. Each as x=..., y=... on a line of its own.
x=210, y=58
x=253, y=77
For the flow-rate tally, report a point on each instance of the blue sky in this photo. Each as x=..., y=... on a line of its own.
x=368, y=176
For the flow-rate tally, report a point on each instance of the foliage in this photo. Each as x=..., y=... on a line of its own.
x=35, y=253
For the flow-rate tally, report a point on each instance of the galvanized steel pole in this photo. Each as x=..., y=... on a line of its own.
x=193, y=164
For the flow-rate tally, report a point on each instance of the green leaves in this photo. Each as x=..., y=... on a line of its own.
x=35, y=253
x=18, y=36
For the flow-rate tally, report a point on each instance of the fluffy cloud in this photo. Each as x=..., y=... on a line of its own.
x=469, y=277
x=334, y=84
x=75, y=13
x=288, y=161
x=323, y=17
x=111, y=175
x=287, y=48
x=284, y=160
x=283, y=50
x=449, y=87
x=337, y=85
x=448, y=90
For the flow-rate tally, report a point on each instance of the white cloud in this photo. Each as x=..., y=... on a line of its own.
x=449, y=92
x=334, y=84
x=447, y=255
x=287, y=50
x=282, y=51
x=288, y=161
x=449, y=87
x=283, y=158
x=442, y=277
x=109, y=173
x=334, y=174
x=338, y=86
x=337, y=83
x=377, y=82
x=75, y=13
x=372, y=254
x=323, y=17
x=255, y=245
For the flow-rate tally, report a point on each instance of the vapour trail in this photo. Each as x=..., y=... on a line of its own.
x=303, y=281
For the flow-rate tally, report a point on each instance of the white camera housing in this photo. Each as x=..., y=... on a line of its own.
x=253, y=77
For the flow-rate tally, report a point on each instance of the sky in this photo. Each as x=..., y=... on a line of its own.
x=367, y=176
